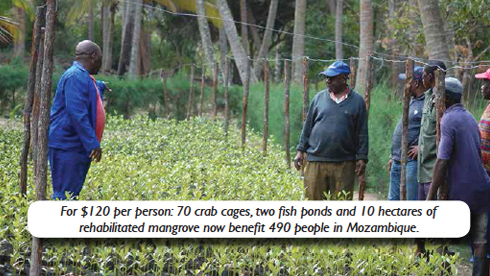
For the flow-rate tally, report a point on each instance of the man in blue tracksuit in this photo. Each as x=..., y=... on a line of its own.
x=77, y=121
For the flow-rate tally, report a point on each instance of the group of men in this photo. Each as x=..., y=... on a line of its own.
x=333, y=147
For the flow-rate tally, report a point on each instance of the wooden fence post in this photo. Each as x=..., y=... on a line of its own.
x=266, y=105
x=440, y=90
x=306, y=88
x=201, y=100
x=227, y=112
x=406, y=107
x=36, y=38
x=191, y=91
x=367, y=101
x=215, y=91
x=287, y=77
x=246, y=87
x=352, y=72
x=42, y=145
x=166, y=97
x=35, y=103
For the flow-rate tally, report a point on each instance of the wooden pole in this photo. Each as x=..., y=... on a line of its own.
x=36, y=38
x=35, y=103
x=406, y=107
x=440, y=90
x=165, y=93
x=367, y=101
x=201, y=100
x=266, y=105
x=215, y=91
x=246, y=87
x=191, y=91
x=287, y=77
x=42, y=154
x=306, y=88
x=227, y=112
x=352, y=72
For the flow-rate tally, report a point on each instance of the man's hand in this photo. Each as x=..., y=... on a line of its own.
x=360, y=167
x=389, y=164
x=299, y=159
x=96, y=154
x=413, y=152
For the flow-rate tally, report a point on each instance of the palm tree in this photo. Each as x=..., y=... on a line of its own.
x=264, y=48
x=338, y=30
x=136, y=38
x=14, y=31
x=206, y=41
x=8, y=30
x=366, y=42
x=435, y=37
x=299, y=40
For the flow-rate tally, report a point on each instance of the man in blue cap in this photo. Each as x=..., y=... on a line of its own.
x=334, y=140
x=417, y=90
x=459, y=160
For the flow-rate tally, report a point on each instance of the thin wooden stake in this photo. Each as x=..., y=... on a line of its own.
x=266, y=105
x=406, y=107
x=35, y=103
x=201, y=100
x=42, y=154
x=227, y=112
x=440, y=90
x=165, y=94
x=306, y=88
x=191, y=92
x=352, y=72
x=36, y=38
x=287, y=77
x=246, y=87
x=215, y=91
x=367, y=100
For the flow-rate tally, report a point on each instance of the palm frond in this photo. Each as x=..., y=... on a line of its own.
x=9, y=30
x=212, y=11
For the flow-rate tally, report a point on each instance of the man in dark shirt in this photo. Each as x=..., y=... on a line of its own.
x=417, y=89
x=334, y=140
x=459, y=159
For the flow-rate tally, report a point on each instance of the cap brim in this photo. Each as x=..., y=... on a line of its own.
x=328, y=75
x=482, y=76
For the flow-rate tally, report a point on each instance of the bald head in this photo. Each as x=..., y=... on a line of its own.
x=89, y=54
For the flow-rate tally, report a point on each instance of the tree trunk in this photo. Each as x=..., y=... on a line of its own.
x=20, y=42
x=127, y=39
x=42, y=154
x=338, y=30
x=366, y=42
x=91, y=22
x=246, y=88
x=239, y=53
x=287, y=74
x=266, y=42
x=135, y=50
x=332, y=7
x=206, y=41
x=299, y=40
x=244, y=27
x=145, y=53
x=277, y=65
x=223, y=47
x=266, y=107
x=108, y=12
x=36, y=37
x=253, y=30
x=435, y=37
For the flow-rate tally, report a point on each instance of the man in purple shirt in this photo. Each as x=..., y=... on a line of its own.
x=459, y=158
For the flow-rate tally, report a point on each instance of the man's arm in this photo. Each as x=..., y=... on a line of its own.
x=77, y=104
x=362, y=133
x=305, y=136
x=440, y=172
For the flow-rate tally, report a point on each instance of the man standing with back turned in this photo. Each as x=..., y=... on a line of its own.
x=77, y=122
x=334, y=140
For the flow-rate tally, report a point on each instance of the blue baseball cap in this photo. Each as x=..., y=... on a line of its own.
x=417, y=73
x=336, y=69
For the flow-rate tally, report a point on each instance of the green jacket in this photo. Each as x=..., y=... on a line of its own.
x=427, y=139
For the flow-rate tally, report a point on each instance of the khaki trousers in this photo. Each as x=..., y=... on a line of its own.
x=329, y=177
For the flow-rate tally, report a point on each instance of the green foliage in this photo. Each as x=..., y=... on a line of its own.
x=190, y=160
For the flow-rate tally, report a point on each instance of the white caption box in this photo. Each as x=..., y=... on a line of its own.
x=248, y=219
